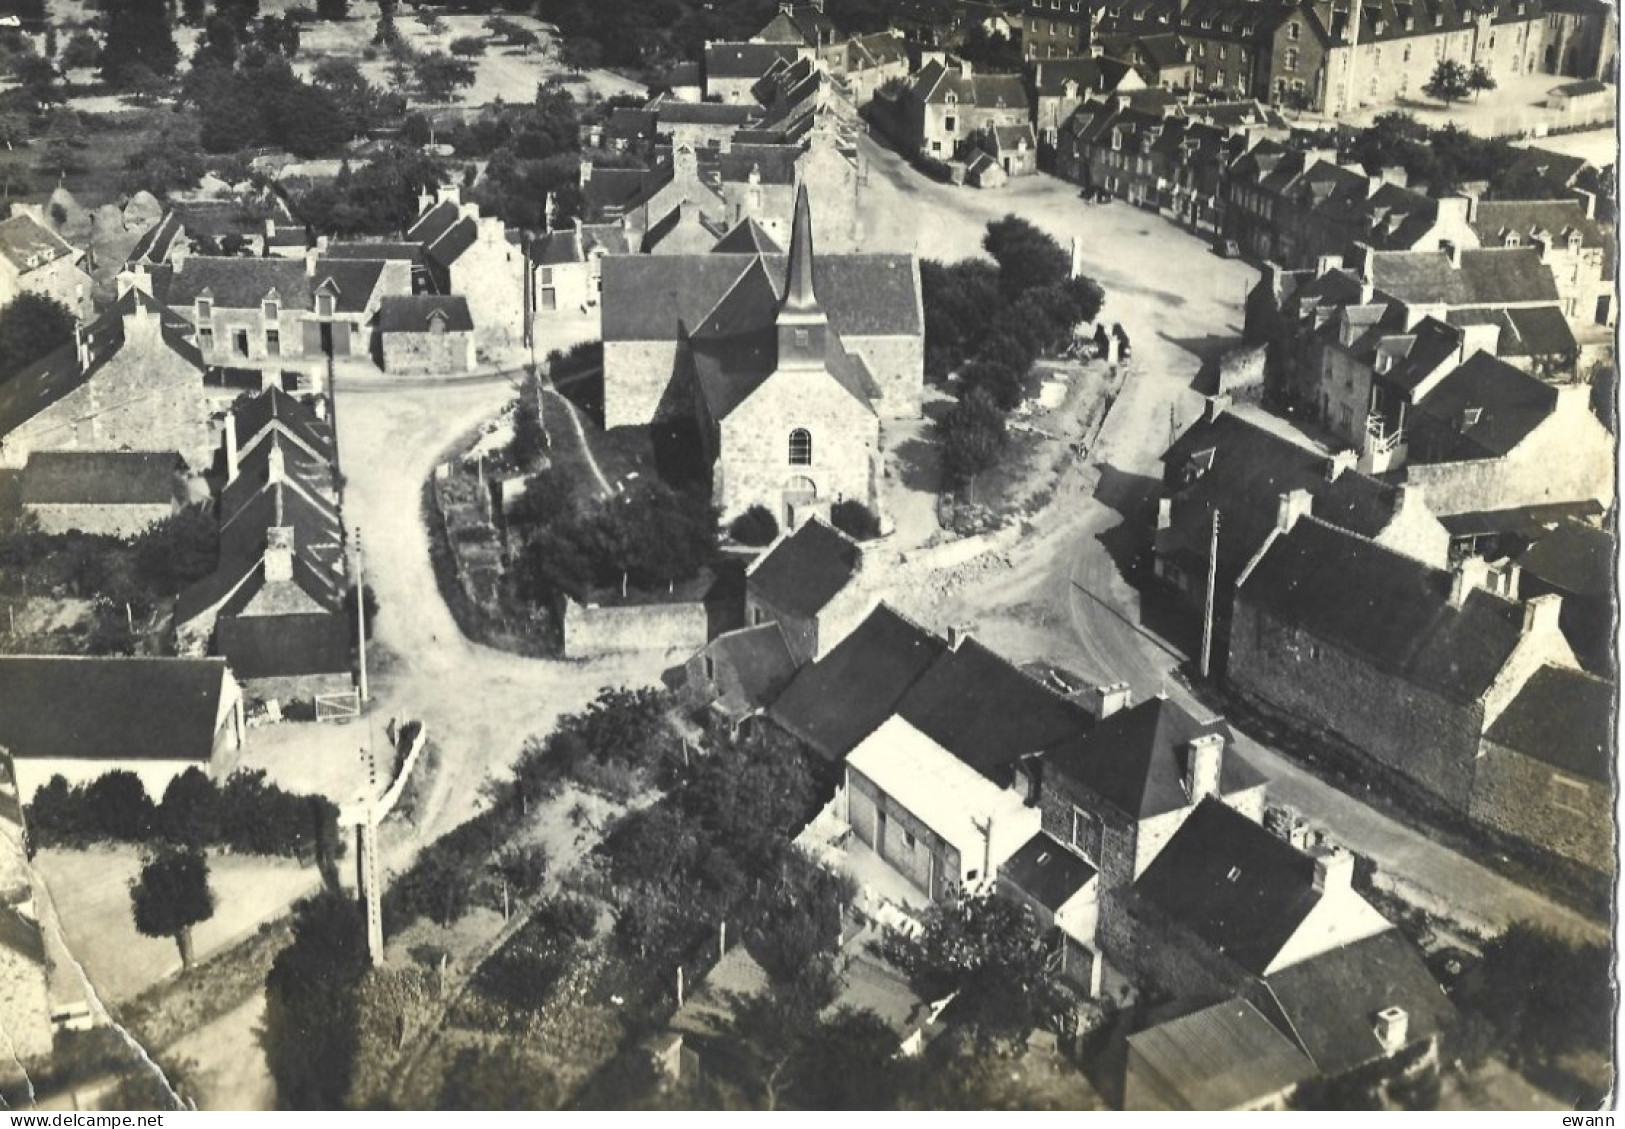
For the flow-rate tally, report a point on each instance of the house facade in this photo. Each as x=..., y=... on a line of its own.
x=111, y=493
x=36, y=260
x=426, y=334
x=470, y=255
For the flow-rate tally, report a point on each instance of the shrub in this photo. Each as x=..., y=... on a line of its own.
x=756, y=526
x=855, y=519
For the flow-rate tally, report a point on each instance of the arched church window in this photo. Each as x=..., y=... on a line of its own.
x=801, y=447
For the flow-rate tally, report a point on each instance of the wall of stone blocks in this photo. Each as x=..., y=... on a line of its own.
x=111, y=521
x=898, y=366
x=428, y=352
x=1522, y=797
x=590, y=631
x=638, y=381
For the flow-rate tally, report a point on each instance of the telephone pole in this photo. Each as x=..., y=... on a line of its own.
x=361, y=620
x=1212, y=596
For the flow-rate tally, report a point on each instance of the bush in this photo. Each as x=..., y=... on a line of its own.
x=855, y=519
x=756, y=526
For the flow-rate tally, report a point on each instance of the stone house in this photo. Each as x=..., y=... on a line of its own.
x=785, y=364
x=1578, y=250
x=1413, y=687
x=36, y=260
x=1575, y=561
x=808, y=583
x=1544, y=771
x=1061, y=892
x=732, y=70
x=641, y=199
x=736, y=676
x=1228, y=910
x=1057, y=87
x=946, y=105
x=940, y=823
x=1582, y=39
x=1056, y=29
x=472, y=256
x=155, y=717
x=114, y=493
x=871, y=61
x=131, y=381
x=426, y=333
x=1238, y=466
x=567, y=266
x=700, y=125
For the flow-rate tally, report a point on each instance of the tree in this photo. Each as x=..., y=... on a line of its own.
x=31, y=326
x=1448, y=83
x=1027, y=257
x=117, y=806
x=179, y=550
x=439, y=75
x=973, y=437
x=171, y=896
x=855, y=519
x=193, y=12
x=529, y=438
x=311, y=1006
x=468, y=46
x=984, y=951
x=756, y=526
x=82, y=51
x=580, y=53
x=1544, y=995
x=138, y=32
x=190, y=812
x=1479, y=79
x=332, y=9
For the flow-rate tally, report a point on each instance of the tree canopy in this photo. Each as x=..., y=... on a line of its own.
x=138, y=33
x=172, y=895
x=32, y=326
x=311, y=1005
x=1449, y=82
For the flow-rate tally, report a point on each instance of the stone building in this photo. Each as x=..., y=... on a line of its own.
x=473, y=257
x=1582, y=38
x=807, y=583
x=426, y=334
x=131, y=381
x=1578, y=250
x=35, y=259
x=1544, y=772
x=567, y=266
x=786, y=364
x=1413, y=685
x=732, y=70
x=947, y=104
x=114, y=493
x=736, y=676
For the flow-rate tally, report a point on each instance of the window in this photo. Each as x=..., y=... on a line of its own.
x=1292, y=32
x=756, y=617
x=205, y=340
x=1087, y=834
x=269, y=309
x=908, y=839
x=205, y=309
x=803, y=339
x=273, y=342
x=1290, y=59
x=801, y=447
x=547, y=276
x=324, y=305
x=710, y=669
x=239, y=341
x=950, y=123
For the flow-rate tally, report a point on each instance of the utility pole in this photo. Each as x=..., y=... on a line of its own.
x=1212, y=596
x=361, y=619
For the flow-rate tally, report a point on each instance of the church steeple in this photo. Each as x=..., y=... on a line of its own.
x=801, y=321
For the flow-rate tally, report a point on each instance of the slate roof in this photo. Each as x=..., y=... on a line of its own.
x=253, y=414
x=435, y=222
x=647, y=297
x=771, y=164
x=48, y=380
x=23, y=237
x=350, y=281
x=1494, y=277
x=101, y=478
x=1233, y=465
x=804, y=571
x=1495, y=220
x=1092, y=74
x=155, y=243
x=935, y=81
x=1530, y=522
x=672, y=112
x=744, y=60
x=412, y=313
x=837, y=701
x=410, y=252
x=1330, y=1002
x=1046, y=871
x=1429, y=345
x=236, y=283
x=747, y=238
x=1525, y=331
x=449, y=247
x=1385, y=608
x=215, y=218
x=1482, y=409
x=1562, y=718
x=987, y=712
x=1136, y=759
x=113, y=709
x=1222, y=1057
x=280, y=646
x=1239, y=889
x=1574, y=558
x=753, y=665
x=1558, y=169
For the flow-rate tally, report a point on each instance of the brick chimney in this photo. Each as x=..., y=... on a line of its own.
x=1111, y=698
x=1392, y=1027
x=279, y=554
x=275, y=466
x=1467, y=574
x=1540, y=614
x=1334, y=870
x=1204, y=759
x=1292, y=505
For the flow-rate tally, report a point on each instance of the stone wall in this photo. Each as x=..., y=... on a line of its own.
x=800, y=631
x=898, y=366
x=592, y=630
x=25, y=1014
x=1115, y=861
x=1413, y=731
x=491, y=276
x=1151, y=949
x=1241, y=374
x=637, y=381
x=146, y=397
x=428, y=352
x=112, y=521
x=64, y=281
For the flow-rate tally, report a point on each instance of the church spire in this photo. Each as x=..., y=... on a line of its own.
x=800, y=298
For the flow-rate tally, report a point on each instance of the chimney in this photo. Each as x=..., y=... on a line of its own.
x=319, y=406
x=1368, y=292
x=177, y=254
x=957, y=634
x=310, y=264
x=685, y=163
x=1334, y=870
x=1327, y=263
x=270, y=229
x=1540, y=614
x=279, y=554
x=1341, y=461
x=81, y=343
x=1392, y=1028
x=275, y=467
x=1215, y=407
x=1077, y=257
x=140, y=324
x=1204, y=759
x=426, y=201
x=449, y=194
x=1452, y=249
x=1395, y=175
x=1111, y=698
x=1588, y=201
x=964, y=67
x=231, y=448
x=1293, y=505
x=586, y=172
x=1165, y=513
x=1363, y=262
x=1469, y=573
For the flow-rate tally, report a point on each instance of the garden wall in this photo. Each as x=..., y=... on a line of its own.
x=592, y=630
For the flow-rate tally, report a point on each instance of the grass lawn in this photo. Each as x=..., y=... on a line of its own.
x=110, y=140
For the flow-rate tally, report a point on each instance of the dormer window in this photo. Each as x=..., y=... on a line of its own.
x=1470, y=417
x=33, y=261
x=270, y=309
x=950, y=98
x=324, y=305
x=205, y=306
x=48, y=254
x=1513, y=239
x=437, y=323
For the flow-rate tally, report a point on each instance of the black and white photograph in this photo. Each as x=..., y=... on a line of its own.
x=740, y=555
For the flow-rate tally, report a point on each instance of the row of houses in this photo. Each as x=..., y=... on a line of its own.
x=1132, y=831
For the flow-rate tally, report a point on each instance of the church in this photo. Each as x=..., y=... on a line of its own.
x=785, y=364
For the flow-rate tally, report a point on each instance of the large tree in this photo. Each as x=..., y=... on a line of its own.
x=32, y=325
x=311, y=1006
x=1450, y=82
x=138, y=34
x=171, y=896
